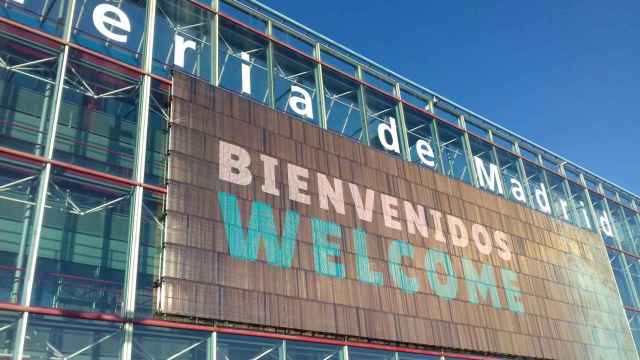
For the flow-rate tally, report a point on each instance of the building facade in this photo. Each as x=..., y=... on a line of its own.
x=193, y=179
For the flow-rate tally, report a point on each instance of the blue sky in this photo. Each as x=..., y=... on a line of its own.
x=565, y=74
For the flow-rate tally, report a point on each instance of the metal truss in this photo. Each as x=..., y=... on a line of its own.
x=336, y=98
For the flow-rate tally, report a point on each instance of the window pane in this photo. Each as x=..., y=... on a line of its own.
x=8, y=322
x=157, y=135
x=83, y=249
x=151, y=238
x=342, y=106
x=634, y=226
x=626, y=294
x=454, y=158
x=422, y=144
x=125, y=46
x=292, y=40
x=338, y=64
x=243, y=17
x=378, y=83
x=50, y=337
x=47, y=16
x=603, y=221
x=512, y=177
x=538, y=187
x=560, y=202
x=443, y=113
x=486, y=166
x=366, y=354
x=634, y=271
x=582, y=212
x=295, y=85
x=182, y=38
x=634, y=323
x=310, y=351
x=234, y=347
x=18, y=187
x=243, y=62
x=98, y=116
x=27, y=77
x=382, y=122
x=407, y=356
x=620, y=226
x=421, y=102
x=163, y=343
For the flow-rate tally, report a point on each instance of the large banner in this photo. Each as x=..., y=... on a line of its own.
x=276, y=223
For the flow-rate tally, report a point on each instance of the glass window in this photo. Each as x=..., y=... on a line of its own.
x=550, y=165
x=295, y=85
x=151, y=240
x=620, y=227
x=445, y=114
x=419, y=101
x=344, y=115
x=422, y=144
x=157, y=134
x=382, y=123
x=8, y=322
x=477, y=130
x=633, y=220
x=408, y=356
x=27, y=81
x=571, y=174
x=486, y=166
x=18, y=188
x=123, y=43
x=164, y=343
x=51, y=337
x=367, y=354
x=98, y=116
x=634, y=271
x=560, y=198
x=292, y=40
x=616, y=260
x=454, y=157
x=378, y=83
x=243, y=62
x=528, y=154
x=182, y=38
x=83, y=249
x=512, y=177
x=243, y=17
x=602, y=218
x=234, y=347
x=538, y=187
x=502, y=142
x=582, y=214
x=310, y=351
x=46, y=16
x=634, y=323
x=338, y=63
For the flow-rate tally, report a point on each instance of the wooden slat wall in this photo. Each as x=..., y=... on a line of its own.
x=569, y=295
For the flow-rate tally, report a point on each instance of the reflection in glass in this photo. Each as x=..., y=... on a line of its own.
x=27, y=76
x=50, y=337
x=342, y=107
x=157, y=134
x=98, y=116
x=151, y=237
x=113, y=41
x=560, y=203
x=18, y=187
x=295, y=85
x=616, y=260
x=367, y=354
x=581, y=211
x=454, y=158
x=182, y=38
x=382, y=122
x=45, y=15
x=234, y=347
x=164, y=343
x=422, y=144
x=243, y=62
x=83, y=246
x=310, y=351
x=512, y=177
x=486, y=166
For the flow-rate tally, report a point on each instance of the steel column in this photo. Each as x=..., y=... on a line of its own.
x=322, y=111
x=215, y=43
x=363, y=105
x=466, y=146
x=271, y=80
x=403, y=126
x=137, y=202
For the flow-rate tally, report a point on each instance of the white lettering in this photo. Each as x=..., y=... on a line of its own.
x=269, y=185
x=425, y=153
x=364, y=209
x=245, y=71
x=181, y=47
x=416, y=219
x=107, y=14
x=543, y=199
x=390, y=212
x=488, y=181
x=297, y=183
x=234, y=164
x=518, y=191
x=457, y=231
x=391, y=129
x=327, y=193
x=301, y=105
x=605, y=225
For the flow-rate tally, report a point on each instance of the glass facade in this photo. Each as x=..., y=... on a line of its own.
x=84, y=121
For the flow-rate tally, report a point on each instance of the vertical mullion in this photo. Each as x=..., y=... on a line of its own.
x=322, y=111
x=212, y=348
x=466, y=146
x=270, y=69
x=494, y=152
x=567, y=190
x=43, y=185
x=135, y=221
x=363, y=105
x=547, y=185
x=402, y=125
x=523, y=176
x=436, y=138
x=215, y=43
